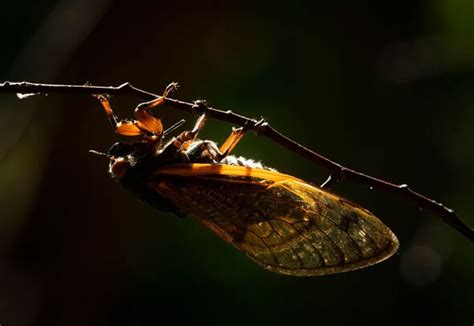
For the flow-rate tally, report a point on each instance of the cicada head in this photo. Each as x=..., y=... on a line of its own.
x=123, y=156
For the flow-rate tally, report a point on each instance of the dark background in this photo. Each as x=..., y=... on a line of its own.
x=382, y=87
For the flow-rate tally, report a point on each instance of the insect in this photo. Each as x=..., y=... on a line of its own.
x=281, y=222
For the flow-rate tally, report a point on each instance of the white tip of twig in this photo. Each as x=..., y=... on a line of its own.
x=22, y=96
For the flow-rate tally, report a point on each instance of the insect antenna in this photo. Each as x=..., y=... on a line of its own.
x=99, y=153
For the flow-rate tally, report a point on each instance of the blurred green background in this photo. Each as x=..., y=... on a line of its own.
x=382, y=87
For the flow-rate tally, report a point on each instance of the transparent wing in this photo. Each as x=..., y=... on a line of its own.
x=287, y=226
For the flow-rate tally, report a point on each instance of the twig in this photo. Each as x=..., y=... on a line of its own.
x=337, y=171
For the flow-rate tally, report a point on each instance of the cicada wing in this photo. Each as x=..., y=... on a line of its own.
x=287, y=226
x=324, y=234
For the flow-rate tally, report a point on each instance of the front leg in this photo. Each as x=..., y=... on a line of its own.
x=123, y=127
x=146, y=120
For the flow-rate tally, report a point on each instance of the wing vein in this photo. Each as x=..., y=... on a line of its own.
x=283, y=239
x=356, y=245
x=274, y=257
x=307, y=240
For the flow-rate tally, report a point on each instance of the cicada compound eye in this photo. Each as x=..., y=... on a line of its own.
x=119, y=167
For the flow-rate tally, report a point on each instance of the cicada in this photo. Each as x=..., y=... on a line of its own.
x=281, y=222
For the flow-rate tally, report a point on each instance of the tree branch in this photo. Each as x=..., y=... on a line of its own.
x=337, y=171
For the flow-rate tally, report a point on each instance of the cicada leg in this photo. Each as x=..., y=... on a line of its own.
x=234, y=138
x=145, y=123
x=210, y=149
x=123, y=127
x=188, y=137
x=146, y=120
x=193, y=134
